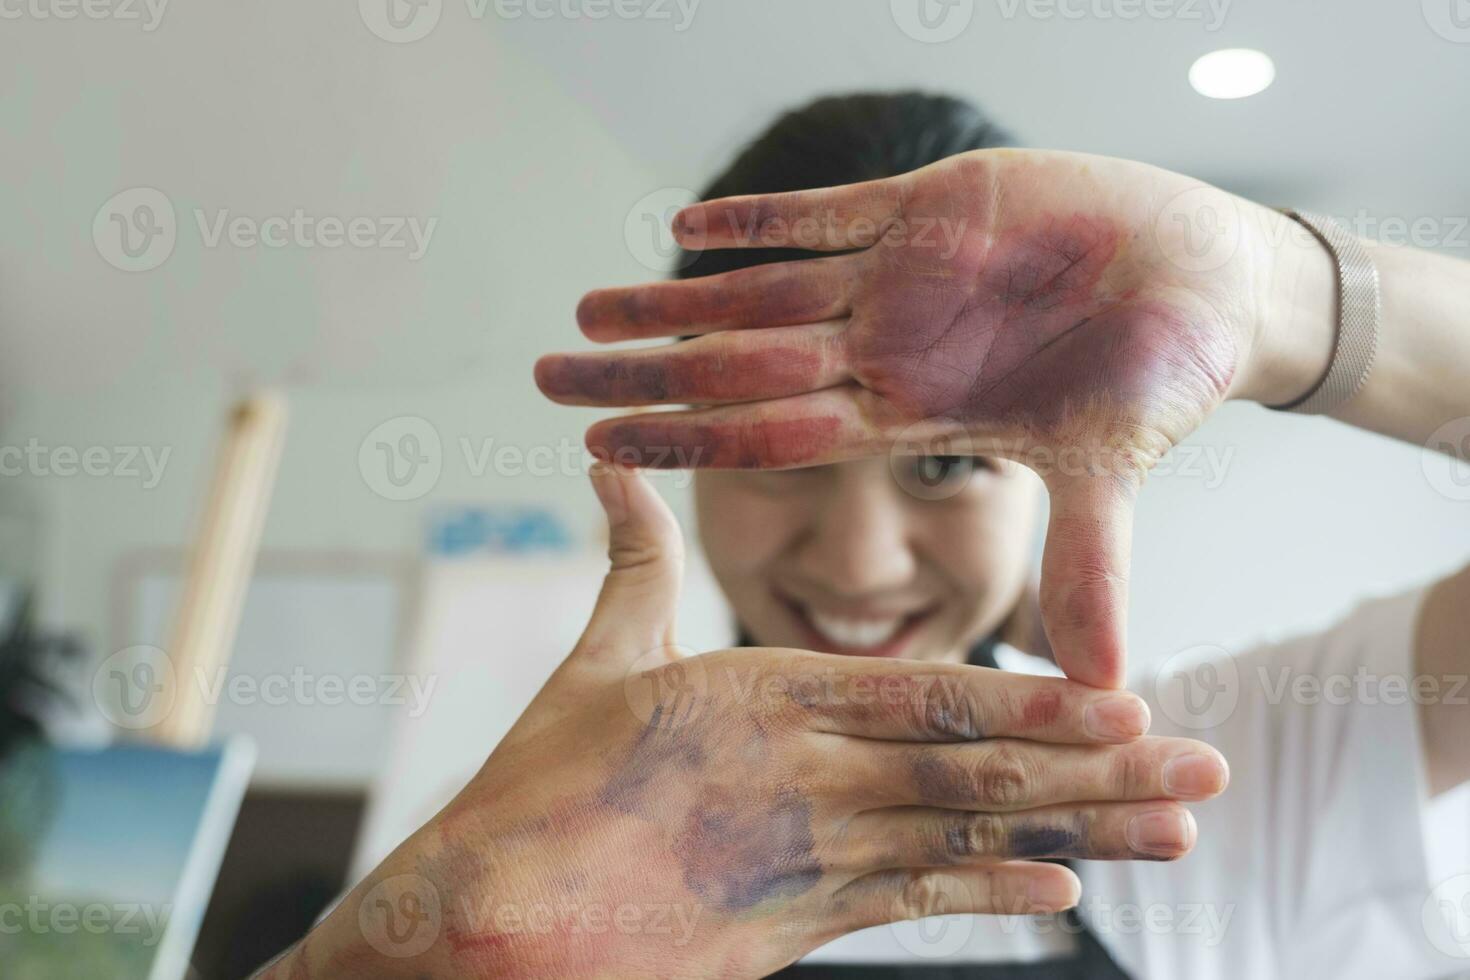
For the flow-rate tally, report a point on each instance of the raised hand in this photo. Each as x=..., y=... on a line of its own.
x=721, y=815
x=1066, y=311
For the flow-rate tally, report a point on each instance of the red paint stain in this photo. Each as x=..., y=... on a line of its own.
x=759, y=296
x=655, y=443
x=679, y=376
x=1041, y=709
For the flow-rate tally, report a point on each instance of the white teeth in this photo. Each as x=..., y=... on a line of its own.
x=855, y=634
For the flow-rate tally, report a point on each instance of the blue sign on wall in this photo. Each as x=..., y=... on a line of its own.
x=460, y=531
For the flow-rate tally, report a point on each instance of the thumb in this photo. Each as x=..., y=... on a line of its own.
x=1084, y=575
x=636, y=609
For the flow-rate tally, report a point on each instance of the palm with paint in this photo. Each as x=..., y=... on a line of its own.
x=1077, y=314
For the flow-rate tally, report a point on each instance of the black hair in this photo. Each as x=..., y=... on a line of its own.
x=842, y=139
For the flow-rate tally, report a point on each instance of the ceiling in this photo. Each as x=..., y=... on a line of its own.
x=1369, y=108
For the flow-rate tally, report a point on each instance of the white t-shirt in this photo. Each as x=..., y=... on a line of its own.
x=1312, y=864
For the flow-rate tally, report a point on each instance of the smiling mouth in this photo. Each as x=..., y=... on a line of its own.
x=861, y=636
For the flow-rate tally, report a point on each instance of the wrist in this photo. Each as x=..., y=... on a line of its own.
x=1295, y=329
x=428, y=912
x=376, y=930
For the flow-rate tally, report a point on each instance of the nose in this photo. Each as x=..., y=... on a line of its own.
x=859, y=542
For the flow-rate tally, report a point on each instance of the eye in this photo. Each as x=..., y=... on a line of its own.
x=938, y=477
x=934, y=471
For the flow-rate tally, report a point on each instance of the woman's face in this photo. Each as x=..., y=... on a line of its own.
x=913, y=557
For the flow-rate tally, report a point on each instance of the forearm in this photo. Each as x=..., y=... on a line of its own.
x=334, y=949
x=1420, y=382
x=391, y=925
x=1421, y=375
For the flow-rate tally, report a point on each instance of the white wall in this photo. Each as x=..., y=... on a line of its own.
x=262, y=111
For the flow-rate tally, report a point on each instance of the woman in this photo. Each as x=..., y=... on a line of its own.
x=726, y=814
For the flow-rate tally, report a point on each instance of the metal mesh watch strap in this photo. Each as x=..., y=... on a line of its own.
x=1358, y=312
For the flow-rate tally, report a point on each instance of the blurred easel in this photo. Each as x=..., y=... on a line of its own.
x=221, y=563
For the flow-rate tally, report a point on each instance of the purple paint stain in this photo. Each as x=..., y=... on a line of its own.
x=657, y=751
x=1040, y=840
x=738, y=853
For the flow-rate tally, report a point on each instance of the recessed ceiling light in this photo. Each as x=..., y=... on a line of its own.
x=1232, y=73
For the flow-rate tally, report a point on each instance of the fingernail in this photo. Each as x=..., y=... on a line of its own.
x=608, y=486
x=1194, y=776
x=1118, y=717
x=1051, y=894
x=1164, y=832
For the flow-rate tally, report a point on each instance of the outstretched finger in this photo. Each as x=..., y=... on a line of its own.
x=803, y=430
x=828, y=219
x=1009, y=775
x=930, y=702
x=636, y=608
x=898, y=837
x=1084, y=575
x=1011, y=888
x=775, y=295
x=717, y=369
